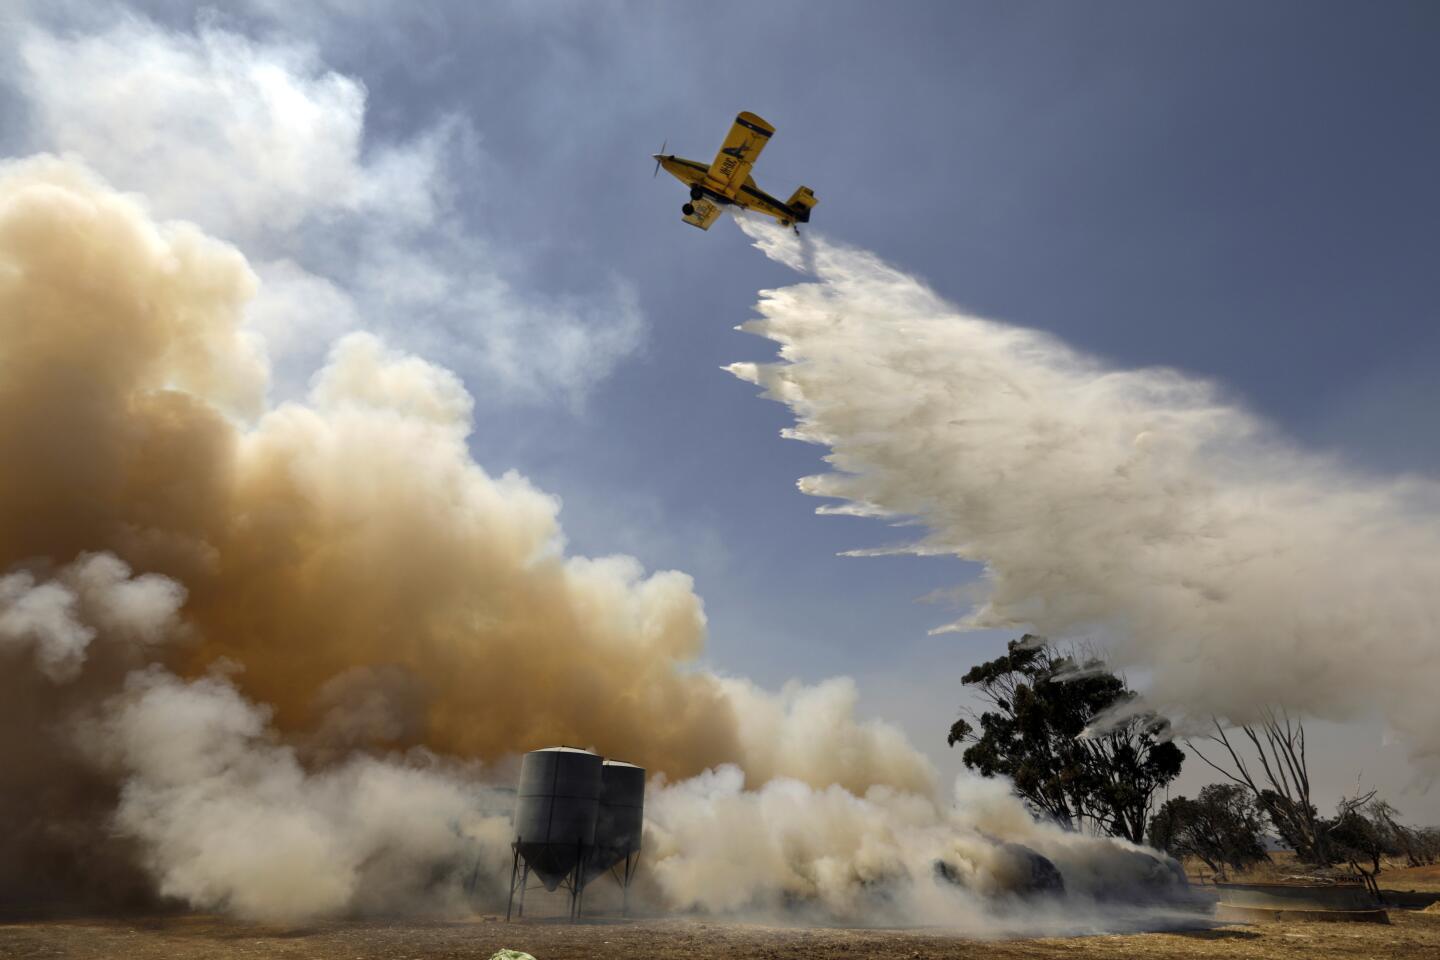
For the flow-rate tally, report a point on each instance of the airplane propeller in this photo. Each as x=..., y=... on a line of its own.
x=657, y=158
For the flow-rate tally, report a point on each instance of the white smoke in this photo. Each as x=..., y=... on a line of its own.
x=1140, y=507
x=888, y=856
x=230, y=819
x=271, y=138
x=53, y=617
x=262, y=144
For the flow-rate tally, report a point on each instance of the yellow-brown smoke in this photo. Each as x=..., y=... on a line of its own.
x=222, y=624
x=368, y=577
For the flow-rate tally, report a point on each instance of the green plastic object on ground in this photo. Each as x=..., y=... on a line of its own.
x=511, y=955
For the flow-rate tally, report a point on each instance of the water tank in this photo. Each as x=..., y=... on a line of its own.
x=556, y=808
x=622, y=815
x=1337, y=898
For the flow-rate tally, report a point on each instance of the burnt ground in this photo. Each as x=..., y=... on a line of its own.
x=1411, y=934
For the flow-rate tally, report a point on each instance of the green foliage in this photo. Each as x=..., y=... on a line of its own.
x=1039, y=734
x=1368, y=830
x=1223, y=827
x=1359, y=837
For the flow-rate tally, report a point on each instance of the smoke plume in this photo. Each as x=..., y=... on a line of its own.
x=888, y=856
x=228, y=818
x=262, y=144
x=369, y=584
x=1139, y=508
x=275, y=660
x=350, y=535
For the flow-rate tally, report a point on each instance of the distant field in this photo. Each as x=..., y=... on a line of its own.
x=1412, y=935
x=1414, y=878
x=1408, y=886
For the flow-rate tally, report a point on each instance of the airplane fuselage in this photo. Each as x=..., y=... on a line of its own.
x=694, y=174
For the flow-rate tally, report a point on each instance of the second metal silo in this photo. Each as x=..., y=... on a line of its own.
x=556, y=809
x=620, y=823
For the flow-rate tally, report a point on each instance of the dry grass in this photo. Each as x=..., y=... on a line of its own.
x=1412, y=935
x=1412, y=878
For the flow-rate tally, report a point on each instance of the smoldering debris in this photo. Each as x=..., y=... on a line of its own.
x=1018, y=870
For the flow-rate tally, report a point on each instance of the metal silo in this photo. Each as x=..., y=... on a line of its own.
x=619, y=825
x=621, y=819
x=556, y=808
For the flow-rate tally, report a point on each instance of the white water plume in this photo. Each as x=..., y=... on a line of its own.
x=1138, y=508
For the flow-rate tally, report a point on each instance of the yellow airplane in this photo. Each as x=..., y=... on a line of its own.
x=727, y=181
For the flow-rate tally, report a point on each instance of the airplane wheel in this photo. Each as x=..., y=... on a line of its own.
x=688, y=209
x=696, y=193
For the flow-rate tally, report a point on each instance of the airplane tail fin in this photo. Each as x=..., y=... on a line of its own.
x=801, y=201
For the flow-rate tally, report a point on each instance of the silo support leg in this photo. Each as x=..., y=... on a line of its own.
x=577, y=881
x=514, y=869
x=631, y=861
x=524, y=882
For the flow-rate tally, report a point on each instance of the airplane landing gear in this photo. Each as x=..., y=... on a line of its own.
x=688, y=209
x=696, y=193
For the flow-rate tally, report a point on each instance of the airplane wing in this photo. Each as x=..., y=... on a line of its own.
x=705, y=214
x=737, y=155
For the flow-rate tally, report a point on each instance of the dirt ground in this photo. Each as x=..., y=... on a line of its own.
x=1411, y=934
x=1414, y=932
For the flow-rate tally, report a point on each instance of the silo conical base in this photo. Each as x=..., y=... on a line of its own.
x=575, y=882
x=572, y=882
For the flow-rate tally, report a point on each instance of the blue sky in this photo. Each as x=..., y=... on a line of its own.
x=1243, y=191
